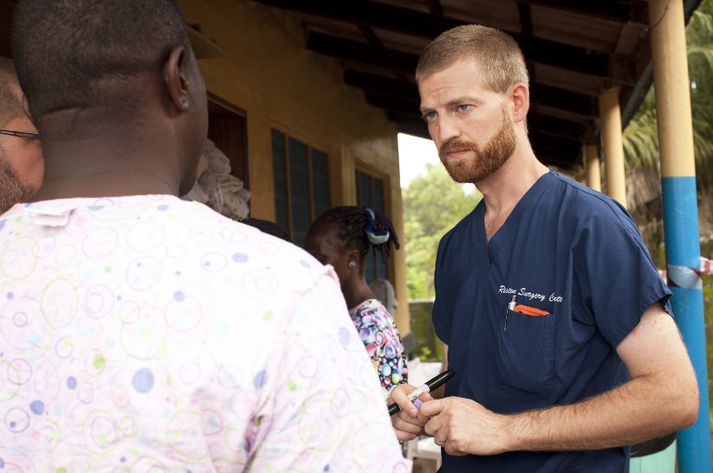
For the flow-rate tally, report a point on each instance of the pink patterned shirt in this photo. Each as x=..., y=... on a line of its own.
x=145, y=333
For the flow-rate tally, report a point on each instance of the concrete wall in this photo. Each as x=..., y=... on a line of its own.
x=267, y=73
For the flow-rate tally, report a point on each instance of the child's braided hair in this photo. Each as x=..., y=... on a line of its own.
x=362, y=229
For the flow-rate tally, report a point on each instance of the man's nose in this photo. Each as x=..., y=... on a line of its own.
x=447, y=129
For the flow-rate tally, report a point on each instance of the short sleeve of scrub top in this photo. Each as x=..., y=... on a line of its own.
x=617, y=278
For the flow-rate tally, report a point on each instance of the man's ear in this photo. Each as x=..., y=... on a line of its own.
x=520, y=99
x=175, y=79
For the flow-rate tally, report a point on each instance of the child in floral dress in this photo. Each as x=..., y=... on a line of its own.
x=342, y=237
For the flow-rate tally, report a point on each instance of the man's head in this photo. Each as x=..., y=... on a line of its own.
x=111, y=65
x=21, y=165
x=473, y=83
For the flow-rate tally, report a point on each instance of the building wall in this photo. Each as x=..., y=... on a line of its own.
x=267, y=73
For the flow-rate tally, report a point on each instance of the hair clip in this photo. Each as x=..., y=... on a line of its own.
x=370, y=233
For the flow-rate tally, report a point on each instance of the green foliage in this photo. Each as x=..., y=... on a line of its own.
x=433, y=204
x=428, y=347
x=425, y=354
x=640, y=136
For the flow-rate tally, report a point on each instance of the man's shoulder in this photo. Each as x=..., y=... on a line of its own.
x=173, y=233
x=588, y=203
x=585, y=213
x=245, y=247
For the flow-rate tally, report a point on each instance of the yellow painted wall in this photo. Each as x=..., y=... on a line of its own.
x=269, y=74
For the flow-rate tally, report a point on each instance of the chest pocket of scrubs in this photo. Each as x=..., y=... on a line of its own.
x=526, y=346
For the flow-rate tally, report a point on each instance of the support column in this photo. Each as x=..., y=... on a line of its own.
x=610, y=118
x=591, y=157
x=680, y=211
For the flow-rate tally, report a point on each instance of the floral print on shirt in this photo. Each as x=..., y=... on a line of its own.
x=381, y=340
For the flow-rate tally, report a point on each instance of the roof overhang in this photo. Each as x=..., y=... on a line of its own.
x=574, y=51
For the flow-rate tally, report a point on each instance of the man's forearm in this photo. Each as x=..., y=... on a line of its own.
x=636, y=411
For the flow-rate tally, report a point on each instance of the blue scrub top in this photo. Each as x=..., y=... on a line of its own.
x=569, y=251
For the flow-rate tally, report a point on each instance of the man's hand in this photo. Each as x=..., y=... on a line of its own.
x=407, y=423
x=464, y=427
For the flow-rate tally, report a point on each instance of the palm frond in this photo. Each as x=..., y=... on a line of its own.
x=640, y=136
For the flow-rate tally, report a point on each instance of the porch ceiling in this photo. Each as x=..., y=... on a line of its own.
x=574, y=49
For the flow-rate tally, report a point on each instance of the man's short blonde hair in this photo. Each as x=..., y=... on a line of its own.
x=497, y=53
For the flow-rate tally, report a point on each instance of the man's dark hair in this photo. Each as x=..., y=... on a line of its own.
x=81, y=53
x=10, y=102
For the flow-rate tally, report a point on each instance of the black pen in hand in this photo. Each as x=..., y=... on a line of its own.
x=430, y=385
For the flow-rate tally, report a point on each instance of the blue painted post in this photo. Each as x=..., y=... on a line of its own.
x=683, y=254
x=673, y=110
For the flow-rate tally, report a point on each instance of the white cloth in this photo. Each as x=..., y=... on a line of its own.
x=148, y=333
x=219, y=189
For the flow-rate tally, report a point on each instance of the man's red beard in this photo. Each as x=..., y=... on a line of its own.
x=485, y=162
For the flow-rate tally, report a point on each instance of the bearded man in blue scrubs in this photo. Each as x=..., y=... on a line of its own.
x=554, y=318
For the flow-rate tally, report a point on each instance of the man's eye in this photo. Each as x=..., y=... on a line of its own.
x=464, y=107
x=429, y=116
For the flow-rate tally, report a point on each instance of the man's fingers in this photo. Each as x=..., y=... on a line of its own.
x=406, y=431
x=400, y=396
x=403, y=436
x=401, y=392
x=406, y=425
x=440, y=434
x=425, y=397
x=433, y=407
x=422, y=419
x=433, y=426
